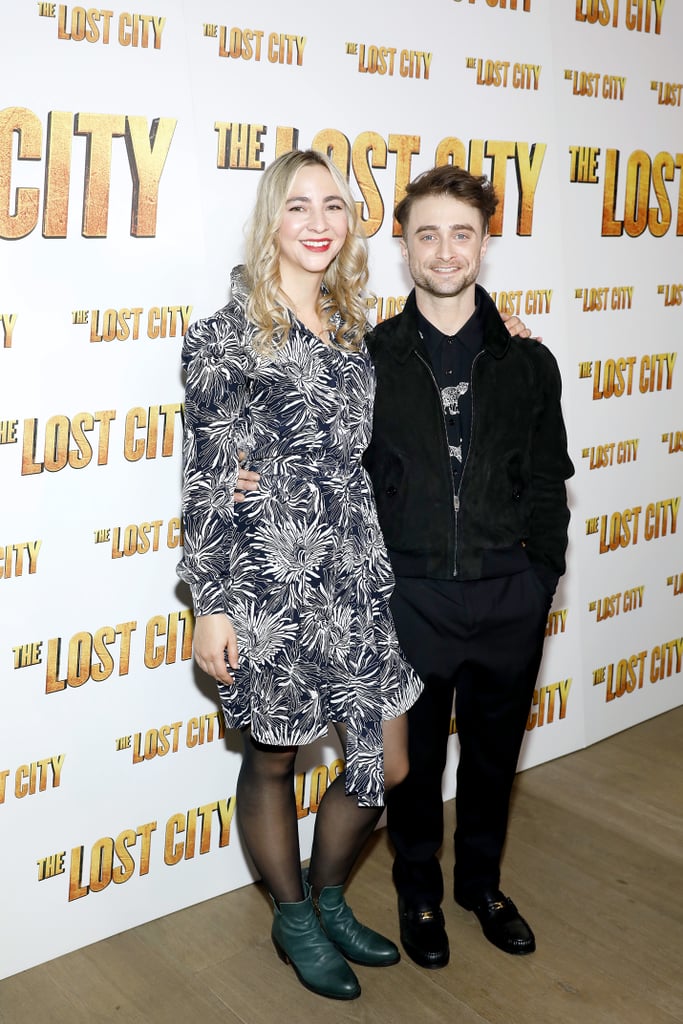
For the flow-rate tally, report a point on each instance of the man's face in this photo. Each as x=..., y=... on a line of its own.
x=443, y=243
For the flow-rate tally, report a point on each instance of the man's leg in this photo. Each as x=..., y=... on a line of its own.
x=415, y=807
x=493, y=696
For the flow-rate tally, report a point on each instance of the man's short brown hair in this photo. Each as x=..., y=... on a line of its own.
x=455, y=182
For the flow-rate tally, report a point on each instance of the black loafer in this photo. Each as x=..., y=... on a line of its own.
x=501, y=923
x=423, y=935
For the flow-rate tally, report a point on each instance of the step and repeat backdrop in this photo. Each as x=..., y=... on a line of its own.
x=131, y=145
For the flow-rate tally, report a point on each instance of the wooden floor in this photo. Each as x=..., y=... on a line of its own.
x=594, y=861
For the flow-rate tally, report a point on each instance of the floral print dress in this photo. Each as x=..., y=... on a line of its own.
x=300, y=566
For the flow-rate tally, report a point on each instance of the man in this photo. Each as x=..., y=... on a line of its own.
x=468, y=461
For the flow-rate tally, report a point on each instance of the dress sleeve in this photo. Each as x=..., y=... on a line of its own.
x=218, y=364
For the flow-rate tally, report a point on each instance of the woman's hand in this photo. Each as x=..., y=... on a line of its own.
x=246, y=480
x=214, y=635
x=516, y=327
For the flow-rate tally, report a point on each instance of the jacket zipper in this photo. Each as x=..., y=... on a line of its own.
x=469, y=447
x=456, y=497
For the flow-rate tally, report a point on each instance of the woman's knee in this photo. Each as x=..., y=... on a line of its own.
x=395, y=771
x=396, y=761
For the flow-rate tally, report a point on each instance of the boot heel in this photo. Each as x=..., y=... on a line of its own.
x=281, y=953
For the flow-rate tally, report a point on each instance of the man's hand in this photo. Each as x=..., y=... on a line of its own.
x=214, y=635
x=515, y=326
x=246, y=481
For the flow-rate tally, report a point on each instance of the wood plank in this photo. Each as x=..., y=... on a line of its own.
x=594, y=861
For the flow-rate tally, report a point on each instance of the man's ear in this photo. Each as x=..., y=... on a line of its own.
x=404, y=249
x=484, y=245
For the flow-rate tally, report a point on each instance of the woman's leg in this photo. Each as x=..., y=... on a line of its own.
x=342, y=827
x=266, y=812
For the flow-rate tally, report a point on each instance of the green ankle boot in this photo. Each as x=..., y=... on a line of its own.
x=299, y=940
x=359, y=944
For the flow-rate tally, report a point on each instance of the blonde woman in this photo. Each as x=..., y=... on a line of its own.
x=290, y=586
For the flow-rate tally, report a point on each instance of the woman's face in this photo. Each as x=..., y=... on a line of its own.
x=314, y=223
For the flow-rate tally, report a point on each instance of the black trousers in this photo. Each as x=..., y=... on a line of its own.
x=481, y=640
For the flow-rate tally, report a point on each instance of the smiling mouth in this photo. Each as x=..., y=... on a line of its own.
x=317, y=245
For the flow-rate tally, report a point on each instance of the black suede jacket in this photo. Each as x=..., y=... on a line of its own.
x=512, y=497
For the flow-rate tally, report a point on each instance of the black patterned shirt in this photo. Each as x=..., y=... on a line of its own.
x=451, y=357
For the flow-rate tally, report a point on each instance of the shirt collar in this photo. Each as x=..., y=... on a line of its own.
x=471, y=334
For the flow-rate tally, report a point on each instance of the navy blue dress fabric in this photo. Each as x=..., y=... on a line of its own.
x=300, y=566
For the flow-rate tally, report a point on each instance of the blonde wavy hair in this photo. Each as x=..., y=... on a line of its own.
x=345, y=280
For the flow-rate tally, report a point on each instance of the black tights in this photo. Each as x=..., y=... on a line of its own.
x=266, y=811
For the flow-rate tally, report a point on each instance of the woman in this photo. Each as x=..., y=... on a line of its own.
x=290, y=587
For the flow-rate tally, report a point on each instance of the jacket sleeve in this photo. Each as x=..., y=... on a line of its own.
x=218, y=367
x=550, y=467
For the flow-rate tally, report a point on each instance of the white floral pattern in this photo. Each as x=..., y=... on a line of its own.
x=300, y=566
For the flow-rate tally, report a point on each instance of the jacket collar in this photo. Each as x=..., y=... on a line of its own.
x=238, y=284
x=407, y=338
